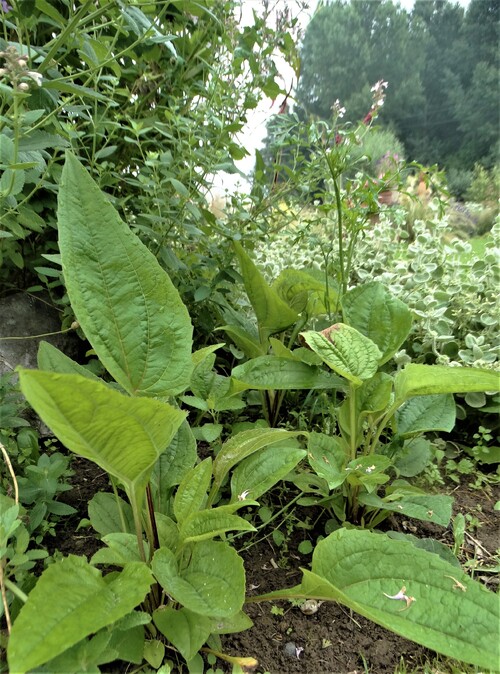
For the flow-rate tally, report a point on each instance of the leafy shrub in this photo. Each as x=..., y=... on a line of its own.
x=485, y=185
x=459, y=181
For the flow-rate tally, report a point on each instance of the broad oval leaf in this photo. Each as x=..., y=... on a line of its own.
x=70, y=601
x=451, y=613
x=51, y=359
x=277, y=373
x=244, y=444
x=421, y=380
x=213, y=584
x=191, y=495
x=346, y=351
x=328, y=457
x=129, y=309
x=259, y=472
x=188, y=631
x=303, y=292
x=434, y=508
x=273, y=314
x=123, y=435
x=426, y=413
x=385, y=319
x=176, y=460
x=210, y=523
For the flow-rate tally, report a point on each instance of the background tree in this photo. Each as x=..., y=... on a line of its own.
x=440, y=60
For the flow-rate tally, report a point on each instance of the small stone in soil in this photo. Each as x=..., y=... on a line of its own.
x=291, y=650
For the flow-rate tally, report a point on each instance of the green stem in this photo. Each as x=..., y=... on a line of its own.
x=119, y=505
x=138, y=523
x=382, y=424
x=338, y=201
x=15, y=590
x=353, y=421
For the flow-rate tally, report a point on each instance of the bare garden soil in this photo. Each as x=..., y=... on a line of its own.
x=284, y=639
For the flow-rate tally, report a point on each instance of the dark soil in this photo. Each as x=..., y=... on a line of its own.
x=284, y=639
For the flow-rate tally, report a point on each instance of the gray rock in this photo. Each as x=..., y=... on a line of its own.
x=23, y=315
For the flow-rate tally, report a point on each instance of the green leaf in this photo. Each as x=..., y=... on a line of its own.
x=123, y=435
x=209, y=432
x=359, y=568
x=239, y=622
x=327, y=456
x=121, y=549
x=50, y=359
x=191, y=495
x=413, y=457
x=213, y=583
x=104, y=513
x=421, y=380
x=244, y=444
x=70, y=601
x=372, y=396
x=368, y=471
x=258, y=473
x=41, y=140
x=426, y=413
x=386, y=320
x=434, y=508
x=273, y=315
x=154, y=652
x=213, y=522
x=188, y=631
x=346, y=351
x=70, y=88
x=274, y=373
x=244, y=341
x=303, y=292
x=126, y=304
x=176, y=460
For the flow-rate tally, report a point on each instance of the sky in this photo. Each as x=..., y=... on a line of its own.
x=253, y=135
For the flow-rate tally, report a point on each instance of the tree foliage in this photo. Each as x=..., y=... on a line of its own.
x=440, y=60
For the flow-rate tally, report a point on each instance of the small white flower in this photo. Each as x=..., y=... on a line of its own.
x=370, y=469
x=243, y=495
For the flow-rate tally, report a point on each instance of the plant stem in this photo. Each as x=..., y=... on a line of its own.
x=138, y=524
x=338, y=201
x=353, y=420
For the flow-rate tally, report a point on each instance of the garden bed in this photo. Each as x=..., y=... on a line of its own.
x=284, y=638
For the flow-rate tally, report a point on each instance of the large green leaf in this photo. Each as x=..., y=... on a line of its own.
x=426, y=507
x=205, y=524
x=50, y=359
x=276, y=373
x=244, y=341
x=127, y=306
x=70, y=601
x=426, y=413
x=188, y=631
x=260, y=471
x=191, y=495
x=451, y=613
x=303, y=292
x=123, y=435
x=328, y=457
x=346, y=351
x=108, y=513
x=213, y=584
x=386, y=320
x=421, y=380
x=242, y=445
x=273, y=314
